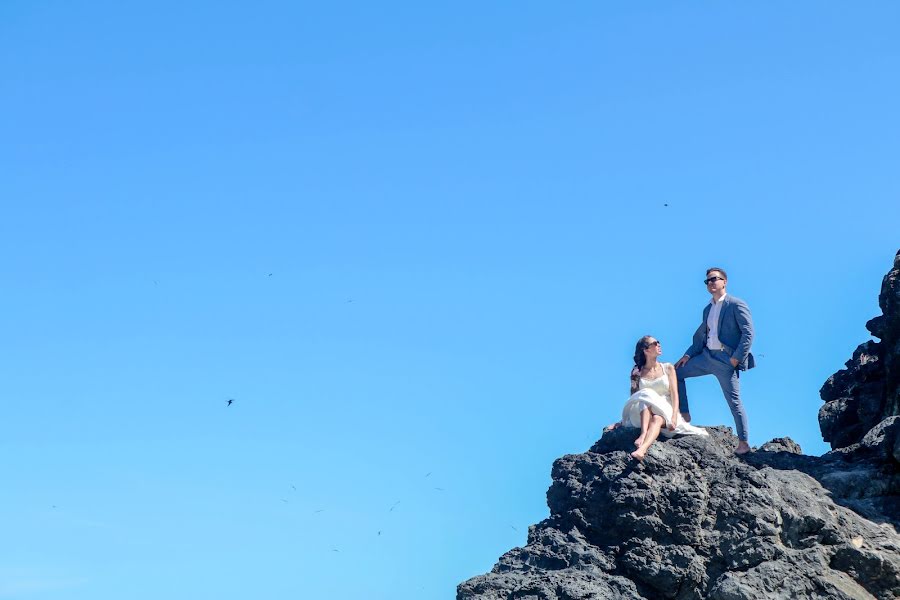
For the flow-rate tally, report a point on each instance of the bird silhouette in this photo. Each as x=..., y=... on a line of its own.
x=394, y=505
x=230, y=400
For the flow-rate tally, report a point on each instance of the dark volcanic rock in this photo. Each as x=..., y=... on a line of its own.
x=867, y=391
x=695, y=521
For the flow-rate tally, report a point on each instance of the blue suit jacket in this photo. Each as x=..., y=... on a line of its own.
x=735, y=332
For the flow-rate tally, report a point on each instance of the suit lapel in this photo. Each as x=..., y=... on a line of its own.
x=722, y=310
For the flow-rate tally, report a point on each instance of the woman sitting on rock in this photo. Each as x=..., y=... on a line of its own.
x=654, y=398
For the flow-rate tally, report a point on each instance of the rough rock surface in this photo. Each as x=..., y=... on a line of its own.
x=695, y=521
x=867, y=391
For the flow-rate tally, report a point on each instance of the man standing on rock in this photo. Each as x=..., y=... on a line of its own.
x=721, y=347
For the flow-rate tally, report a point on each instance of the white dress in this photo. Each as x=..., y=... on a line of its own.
x=654, y=394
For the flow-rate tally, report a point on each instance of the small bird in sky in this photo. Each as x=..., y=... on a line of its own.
x=293, y=487
x=283, y=500
x=514, y=529
x=335, y=550
x=393, y=505
x=439, y=489
x=428, y=473
x=318, y=511
x=270, y=275
x=379, y=532
x=230, y=400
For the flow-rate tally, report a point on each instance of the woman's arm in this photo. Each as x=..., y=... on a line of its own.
x=673, y=393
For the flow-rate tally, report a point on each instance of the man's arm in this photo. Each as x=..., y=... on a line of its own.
x=745, y=323
x=698, y=341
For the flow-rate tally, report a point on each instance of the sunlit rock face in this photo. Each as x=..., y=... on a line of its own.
x=695, y=521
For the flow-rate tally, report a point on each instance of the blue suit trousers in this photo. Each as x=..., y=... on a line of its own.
x=715, y=363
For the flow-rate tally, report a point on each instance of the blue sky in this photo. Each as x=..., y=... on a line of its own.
x=416, y=245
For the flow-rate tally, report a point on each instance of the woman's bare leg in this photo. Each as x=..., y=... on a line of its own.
x=656, y=424
x=645, y=425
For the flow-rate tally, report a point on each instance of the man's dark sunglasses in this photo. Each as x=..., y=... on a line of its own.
x=712, y=279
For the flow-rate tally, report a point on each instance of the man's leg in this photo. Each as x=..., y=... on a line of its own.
x=697, y=366
x=731, y=387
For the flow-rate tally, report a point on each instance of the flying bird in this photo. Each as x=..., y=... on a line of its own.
x=393, y=505
x=439, y=489
x=315, y=512
x=230, y=400
x=428, y=473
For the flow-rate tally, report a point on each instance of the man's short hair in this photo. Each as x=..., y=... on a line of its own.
x=722, y=271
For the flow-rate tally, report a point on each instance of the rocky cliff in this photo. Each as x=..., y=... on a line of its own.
x=695, y=521
x=868, y=389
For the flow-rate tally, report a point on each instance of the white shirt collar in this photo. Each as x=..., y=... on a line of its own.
x=713, y=300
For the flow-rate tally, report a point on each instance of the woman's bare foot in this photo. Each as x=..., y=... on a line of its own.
x=639, y=441
x=742, y=448
x=639, y=454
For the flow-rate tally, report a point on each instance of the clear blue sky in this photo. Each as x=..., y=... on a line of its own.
x=416, y=243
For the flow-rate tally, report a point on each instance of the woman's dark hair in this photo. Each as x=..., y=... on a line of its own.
x=639, y=360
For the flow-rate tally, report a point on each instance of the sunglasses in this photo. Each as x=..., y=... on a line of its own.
x=656, y=343
x=713, y=279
